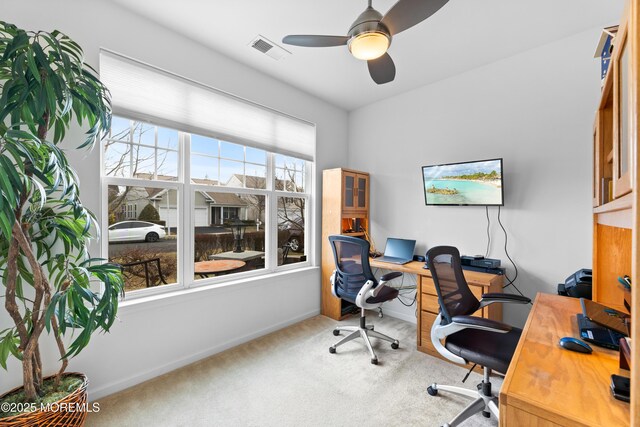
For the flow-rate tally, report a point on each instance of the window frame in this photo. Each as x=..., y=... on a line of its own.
x=137, y=182
x=185, y=250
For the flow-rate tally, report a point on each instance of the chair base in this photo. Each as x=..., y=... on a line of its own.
x=484, y=399
x=363, y=331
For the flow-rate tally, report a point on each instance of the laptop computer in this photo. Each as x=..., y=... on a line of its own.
x=601, y=325
x=398, y=251
x=605, y=316
x=598, y=335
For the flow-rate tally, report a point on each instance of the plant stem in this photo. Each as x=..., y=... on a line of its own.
x=61, y=349
x=32, y=351
x=10, y=295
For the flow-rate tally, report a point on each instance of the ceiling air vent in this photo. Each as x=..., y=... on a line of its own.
x=269, y=48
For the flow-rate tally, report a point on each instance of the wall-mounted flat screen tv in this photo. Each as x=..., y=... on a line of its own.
x=477, y=183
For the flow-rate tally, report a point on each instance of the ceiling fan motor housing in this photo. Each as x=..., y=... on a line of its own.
x=369, y=22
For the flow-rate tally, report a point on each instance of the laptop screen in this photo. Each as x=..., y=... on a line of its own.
x=399, y=248
x=605, y=316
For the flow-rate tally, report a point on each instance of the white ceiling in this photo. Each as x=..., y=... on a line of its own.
x=463, y=35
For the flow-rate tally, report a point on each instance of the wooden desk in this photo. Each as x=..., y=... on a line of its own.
x=548, y=386
x=427, y=299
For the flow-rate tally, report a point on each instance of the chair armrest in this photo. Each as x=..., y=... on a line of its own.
x=390, y=276
x=490, y=298
x=367, y=291
x=459, y=323
x=332, y=279
x=481, y=323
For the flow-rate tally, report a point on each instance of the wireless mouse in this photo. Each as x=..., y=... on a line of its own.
x=574, y=344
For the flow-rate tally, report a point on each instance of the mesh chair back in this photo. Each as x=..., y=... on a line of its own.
x=351, y=256
x=454, y=296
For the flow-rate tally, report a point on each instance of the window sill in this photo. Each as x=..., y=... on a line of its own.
x=169, y=297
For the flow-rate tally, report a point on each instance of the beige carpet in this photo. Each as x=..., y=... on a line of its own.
x=289, y=378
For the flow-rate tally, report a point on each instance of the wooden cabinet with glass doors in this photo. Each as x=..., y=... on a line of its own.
x=345, y=210
x=616, y=221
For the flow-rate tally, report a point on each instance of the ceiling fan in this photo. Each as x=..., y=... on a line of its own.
x=370, y=35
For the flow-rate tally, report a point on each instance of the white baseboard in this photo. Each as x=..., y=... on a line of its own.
x=119, y=385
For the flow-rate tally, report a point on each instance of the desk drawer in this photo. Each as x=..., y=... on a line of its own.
x=430, y=303
x=477, y=291
x=428, y=287
x=426, y=321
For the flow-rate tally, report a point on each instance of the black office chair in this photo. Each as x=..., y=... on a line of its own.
x=467, y=338
x=353, y=281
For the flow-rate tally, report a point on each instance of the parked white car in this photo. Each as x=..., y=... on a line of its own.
x=129, y=231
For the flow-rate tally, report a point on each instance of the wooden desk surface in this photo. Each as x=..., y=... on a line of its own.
x=547, y=385
x=416, y=267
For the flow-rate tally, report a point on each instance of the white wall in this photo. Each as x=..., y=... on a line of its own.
x=159, y=335
x=536, y=110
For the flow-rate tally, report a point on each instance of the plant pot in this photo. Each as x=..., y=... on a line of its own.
x=69, y=411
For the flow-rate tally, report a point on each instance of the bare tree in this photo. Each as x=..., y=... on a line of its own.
x=257, y=203
x=291, y=209
x=128, y=162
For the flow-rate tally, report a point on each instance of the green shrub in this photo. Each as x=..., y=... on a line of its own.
x=149, y=213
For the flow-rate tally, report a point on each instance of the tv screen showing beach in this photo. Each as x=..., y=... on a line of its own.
x=472, y=183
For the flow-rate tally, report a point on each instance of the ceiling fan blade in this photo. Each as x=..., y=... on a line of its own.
x=407, y=13
x=382, y=69
x=315, y=41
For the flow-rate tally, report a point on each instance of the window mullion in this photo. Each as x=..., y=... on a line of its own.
x=271, y=217
x=155, y=152
x=130, y=149
x=186, y=212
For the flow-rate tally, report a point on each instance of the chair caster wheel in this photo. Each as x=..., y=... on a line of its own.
x=332, y=350
x=432, y=391
x=374, y=361
x=486, y=414
x=395, y=345
x=336, y=332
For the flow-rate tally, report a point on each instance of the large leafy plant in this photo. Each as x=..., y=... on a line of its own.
x=50, y=280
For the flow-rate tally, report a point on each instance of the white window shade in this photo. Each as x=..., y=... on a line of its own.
x=145, y=93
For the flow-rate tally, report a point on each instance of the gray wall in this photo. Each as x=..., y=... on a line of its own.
x=159, y=334
x=536, y=110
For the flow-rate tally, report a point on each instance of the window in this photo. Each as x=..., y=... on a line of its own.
x=290, y=173
x=246, y=208
x=138, y=150
x=291, y=230
x=146, y=250
x=215, y=162
x=129, y=211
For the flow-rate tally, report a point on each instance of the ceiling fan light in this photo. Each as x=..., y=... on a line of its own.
x=369, y=45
